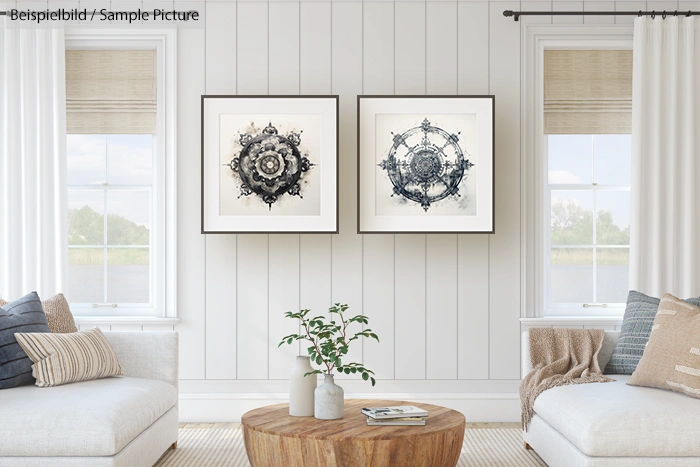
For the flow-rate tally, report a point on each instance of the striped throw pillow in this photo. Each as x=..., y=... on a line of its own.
x=671, y=359
x=58, y=313
x=634, y=335
x=23, y=315
x=69, y=358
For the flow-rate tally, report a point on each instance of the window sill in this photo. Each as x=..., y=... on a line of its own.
x=572, y=321
x=138, y=320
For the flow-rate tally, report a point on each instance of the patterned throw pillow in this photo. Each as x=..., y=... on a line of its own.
x=634, y=335
x=69, y=358
x=672, y=357
x=23, y=315
x=57, y=312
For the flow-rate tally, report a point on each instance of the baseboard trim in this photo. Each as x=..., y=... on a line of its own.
x=228, y=407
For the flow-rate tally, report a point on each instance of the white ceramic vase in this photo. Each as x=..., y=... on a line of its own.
x=329, y=400
x=301, y=389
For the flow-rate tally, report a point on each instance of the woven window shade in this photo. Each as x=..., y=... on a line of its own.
x=587, y=91
x=111, y=91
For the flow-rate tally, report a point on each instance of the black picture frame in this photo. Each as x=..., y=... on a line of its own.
x=335, y=228
x=367, y=97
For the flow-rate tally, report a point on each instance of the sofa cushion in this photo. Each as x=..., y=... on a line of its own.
x=617, y=420
x=69, y=357
x=672, y=356
x=57, y=312
x=23, y=315
x=90, y=418
x=636, y=326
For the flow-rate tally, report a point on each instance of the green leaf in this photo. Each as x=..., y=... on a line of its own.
x=365, y=376
x=337, y=361
x=290, y=340
x=319, y=360
x=346, y=370
x=354, y=370
x=373, y=381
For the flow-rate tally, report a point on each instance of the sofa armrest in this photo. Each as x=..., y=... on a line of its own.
x=149, y=355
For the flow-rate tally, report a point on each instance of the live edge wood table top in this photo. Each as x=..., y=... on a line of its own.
x=273, y=438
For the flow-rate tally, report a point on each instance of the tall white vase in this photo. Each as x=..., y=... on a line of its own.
x=301, y=389
x=330, y=400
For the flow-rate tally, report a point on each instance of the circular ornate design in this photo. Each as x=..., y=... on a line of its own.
x=270, y=165
x=426, y=164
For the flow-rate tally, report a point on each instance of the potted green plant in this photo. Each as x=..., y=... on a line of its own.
x=330, y=340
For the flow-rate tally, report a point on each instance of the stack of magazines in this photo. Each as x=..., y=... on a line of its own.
x=402, y=415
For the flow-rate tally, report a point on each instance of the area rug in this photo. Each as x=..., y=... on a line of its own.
x=219, y=447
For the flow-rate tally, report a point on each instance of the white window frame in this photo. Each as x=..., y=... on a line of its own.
x=534, y=175
x=163, y=247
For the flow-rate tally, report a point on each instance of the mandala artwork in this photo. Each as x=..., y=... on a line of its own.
x=269, y=165
x=426, y=164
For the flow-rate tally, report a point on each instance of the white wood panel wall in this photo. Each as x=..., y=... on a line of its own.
x=446, y=307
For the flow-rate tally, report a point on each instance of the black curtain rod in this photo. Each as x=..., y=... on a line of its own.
x=517, y=14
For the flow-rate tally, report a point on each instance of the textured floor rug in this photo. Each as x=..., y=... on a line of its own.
x=219, y=447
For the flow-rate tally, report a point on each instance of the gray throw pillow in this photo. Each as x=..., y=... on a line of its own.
x=23, y=315
x=636, y=326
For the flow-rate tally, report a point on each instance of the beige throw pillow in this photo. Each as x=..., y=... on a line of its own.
x=58, y=314
x=671, y=358
x=68, y=358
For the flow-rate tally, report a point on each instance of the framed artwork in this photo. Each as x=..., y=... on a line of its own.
x=425, y=164
x=269, y=164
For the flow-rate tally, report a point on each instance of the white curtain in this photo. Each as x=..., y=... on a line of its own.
x=33, y=205
x=665, y=220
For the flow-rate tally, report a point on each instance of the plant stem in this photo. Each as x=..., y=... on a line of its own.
x=318, y=351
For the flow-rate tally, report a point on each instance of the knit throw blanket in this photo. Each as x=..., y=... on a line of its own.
x=560, y=357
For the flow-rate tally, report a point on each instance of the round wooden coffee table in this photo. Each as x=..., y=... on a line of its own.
x=274, y=439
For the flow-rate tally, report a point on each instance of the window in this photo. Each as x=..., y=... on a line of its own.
x=577, y=171
x=111, y=219
x=588, y=200
x=587, y=149
x=120, y=173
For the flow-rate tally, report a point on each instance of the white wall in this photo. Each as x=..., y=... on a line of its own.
x=445, y=306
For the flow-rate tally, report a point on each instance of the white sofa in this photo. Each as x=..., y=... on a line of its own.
x=613, y=424
x=125, y=421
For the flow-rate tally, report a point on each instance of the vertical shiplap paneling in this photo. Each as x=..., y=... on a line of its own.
x=378, y=250
x=252, y=305
x=347, y=245
x=191, y=257
x=283, y=293
x=629, y=6
x=315, y=66
x=540, y=5
x=220, y=283
x=315, y=53
x=598, y=6
x=473, y=250
x=688, y=5
x=410, y=22
x=252, y=250
x=409, y=250
x=441, y=47
x=567, y=6
x=441, y=249
x=504, y=251
x=662, y=5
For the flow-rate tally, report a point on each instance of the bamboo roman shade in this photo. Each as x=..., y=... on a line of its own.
x=111, y=91
x=587, y=91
